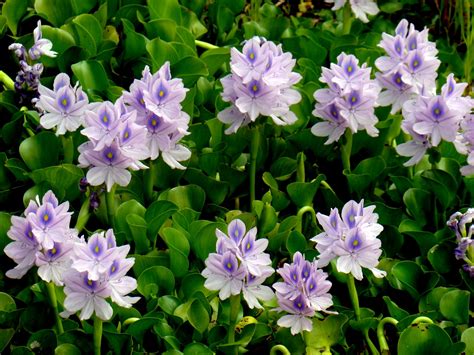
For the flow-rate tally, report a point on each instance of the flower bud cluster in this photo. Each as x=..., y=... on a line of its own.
x=462, y=225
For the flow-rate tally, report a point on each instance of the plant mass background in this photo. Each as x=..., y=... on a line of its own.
x=223, y=176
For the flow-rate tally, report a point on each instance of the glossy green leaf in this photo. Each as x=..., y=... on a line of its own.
x=426, y=338
x=198, y=316
x=134, y=43
x=91, y=75
x=441, y=258
x=394, y=310
x=417, y=202
x=179, y=250
x=197, y=348
x=14, y=10
x=454, y=305
x=4, y=240
x=138, y=227
x=40, y=151
x=411, y=278
x=154, y=280
x=302, y=193
x=157, y=214
x=64, y=179
x=67, y=349
x=161, y=52
x=190, y=196
x=467, y=337
x=165, y=9
x=122, y=229
x=5, y=336
x=203, y=237
x=296, y=242
x=43, y=341
x=190, y=69
x=325, y=333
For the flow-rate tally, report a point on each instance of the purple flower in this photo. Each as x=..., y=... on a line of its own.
x=23, y=248
x=303, y=292
x=240, y=265
x=360, y=8
x=260, y=84
x=54, y=262
x=351, y=239
x=86, y=295
x=224, y=274
x=42, y=46
x=462, y=225
x=94, y=257
x=62, y=108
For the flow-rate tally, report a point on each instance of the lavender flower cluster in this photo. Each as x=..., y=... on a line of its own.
x=240, y=265
x=462, y=225
x=303, y=292
x=349, y=101
x=27, y=79
x=90, y=272
x=260, y=84
x=350, y=239
x=141, y=124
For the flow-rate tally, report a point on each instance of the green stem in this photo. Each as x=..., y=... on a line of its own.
x=83, y=215
x=110, y=204
x=346, y=151
x=299, y=216
x=353, y=295
x=422, y=319
x=54, y=303
x=384, y=349
x=282, y=349
x=205, y=45
x=347, y=19
x=150, y=181
x=372, y=347
x=300, y=171
x=97, y=335
x=68, y=148
x=7, y=81
x=254, y=145
x=255, y=7
x=234, y=312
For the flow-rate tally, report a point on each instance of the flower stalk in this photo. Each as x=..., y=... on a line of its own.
x=149, y=177
x=254, y=144
x=346, y=151
x=347, y=19
x=8, y=83
x=301, y=212
x=97, y=335
x=110, y=203
x=279, y=349
x=204, y=45
x=84, y=215
x=234, y=312
x=54, y=303
x=300, y=171
x=384, y=349
x=68, y=148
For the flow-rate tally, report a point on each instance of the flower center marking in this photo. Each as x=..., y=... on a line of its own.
x=96, y=249
x=46, y=217
x=161, y=93
x=105, y=119
x=64, y=102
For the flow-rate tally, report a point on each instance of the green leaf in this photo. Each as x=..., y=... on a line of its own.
x=454, y=305
x=296, y=242
x=43, y=341
x=134, y=44
x=13, y=10
x=67, y=349
x=155, y=280
x=411, y=278
x=5, y=336
x=61, y=39
x=197, y=348
x=163, y=28
x=189, y=196
x=267, y=219
x=138, y=227
x=156, y=214
x=394, y=310
x=198, y=316
x=467, y=337
x=203, y=237
x=5, y=224
x=283, y=168
x=122, y=229
x=55, y=11
x=326, y=333
x=91, y=74
x=441, y=258
x=161, y=52
x=417, y=202
x=302, y=193
x=63, y=179
x=7, y=303
x=216, y=190
x=190, y=69
x=179, y=250
x=88, y=32
x=425, y=338
x=40, y=151
x=165, y=9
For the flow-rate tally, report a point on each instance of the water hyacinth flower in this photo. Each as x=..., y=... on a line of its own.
x=303, y=292
x=240, y=265
x=430, y=118
x=260, y=84
x=27, y=79
x=348, y=102
x=360, y=8
x=462, y=225
x=116, y=144
x=42, y=238
x=409, y=68
x=157, y=99
x=351, y=239
x=63, y=107
x=98, y=272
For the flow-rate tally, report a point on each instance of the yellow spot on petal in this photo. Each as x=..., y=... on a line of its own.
x=355, y=242
x=161, y=93
x=142, y=101
x=311, y=286
x=248, y=246
x=353, y=99
x=46, y=217
x=299, y=304
x=416, y=63
x=254, y=88
x=398, y=80
x=252, y=55
x=89, y=282
x=105, y=119
x=96, y=249
x=113, y=268
x=349, y=69
x=352, y=218
x=54, y=251
x=110, y=155
x=437, y=111
x=64, y=102
x=153, y=122
x=126, y=135
x=229, y=265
